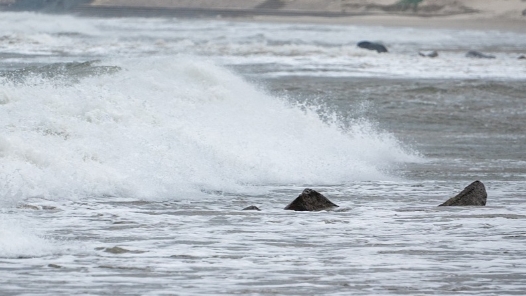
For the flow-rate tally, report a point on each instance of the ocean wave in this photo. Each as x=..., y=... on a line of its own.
x=165, y=127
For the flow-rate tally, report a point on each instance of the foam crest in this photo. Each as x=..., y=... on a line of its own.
x=173, y=127
x=17, y=241
x=35, y=23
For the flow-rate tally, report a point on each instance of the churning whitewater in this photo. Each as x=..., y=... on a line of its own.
x=164, y=127
x=130, y=146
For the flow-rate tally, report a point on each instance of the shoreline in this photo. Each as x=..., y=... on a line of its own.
x=470, y=21
x=448, y=14
x=424, y=22
x=470, y=18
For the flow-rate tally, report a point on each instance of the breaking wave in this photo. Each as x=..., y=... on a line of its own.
x=166, y=127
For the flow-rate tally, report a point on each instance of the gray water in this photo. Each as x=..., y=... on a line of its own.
x=468, y=129
x=126, y=157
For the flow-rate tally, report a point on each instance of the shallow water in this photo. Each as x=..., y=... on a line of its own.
x=128, y=148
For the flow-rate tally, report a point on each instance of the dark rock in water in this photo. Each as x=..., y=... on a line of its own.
x=522, y=57
x=251, y=208
x=524, y=12
x=473, y=195
x=478, y=55
x=428, y=54
x=372, y=46
x=54, y=265
x=116, y=250
x=310, y=200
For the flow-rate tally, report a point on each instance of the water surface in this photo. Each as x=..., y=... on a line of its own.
x=128, y=148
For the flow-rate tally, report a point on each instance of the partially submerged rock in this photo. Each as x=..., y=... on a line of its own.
x=428, y=54
x=372, y=46
x=54, y=265
x=251, y=208
x=117, y=250
x=310, y=200
x=478, y=55
x=522, y=57
x=473, y=195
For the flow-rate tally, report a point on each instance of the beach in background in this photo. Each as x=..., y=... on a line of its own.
x=134, y=133
x=468, y=14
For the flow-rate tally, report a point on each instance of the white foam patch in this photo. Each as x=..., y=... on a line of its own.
x=165, y=127
x=36, y=23
x=17, y=240
x=290, y=49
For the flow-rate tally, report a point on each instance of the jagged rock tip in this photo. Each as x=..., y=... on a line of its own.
x=310, y=200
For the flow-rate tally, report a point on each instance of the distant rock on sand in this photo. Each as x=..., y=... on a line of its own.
x=479, y=55
x=473, y=195
x=310, y=200
x=372, y=46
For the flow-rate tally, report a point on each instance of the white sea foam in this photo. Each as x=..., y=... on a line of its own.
x=171, y=127
x=319, y=50
x=31, y=23
x=18, y=240
x=165, y=126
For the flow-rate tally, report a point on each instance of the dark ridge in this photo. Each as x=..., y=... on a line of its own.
x=72, y=70
x=47, y=5
x=478, y=55
x=271, y=4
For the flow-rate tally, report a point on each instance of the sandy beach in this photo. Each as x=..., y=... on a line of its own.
x=508, y=15
x=468, y=14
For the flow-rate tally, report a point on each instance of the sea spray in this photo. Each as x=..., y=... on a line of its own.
x=18, y=240
x=167, y=127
